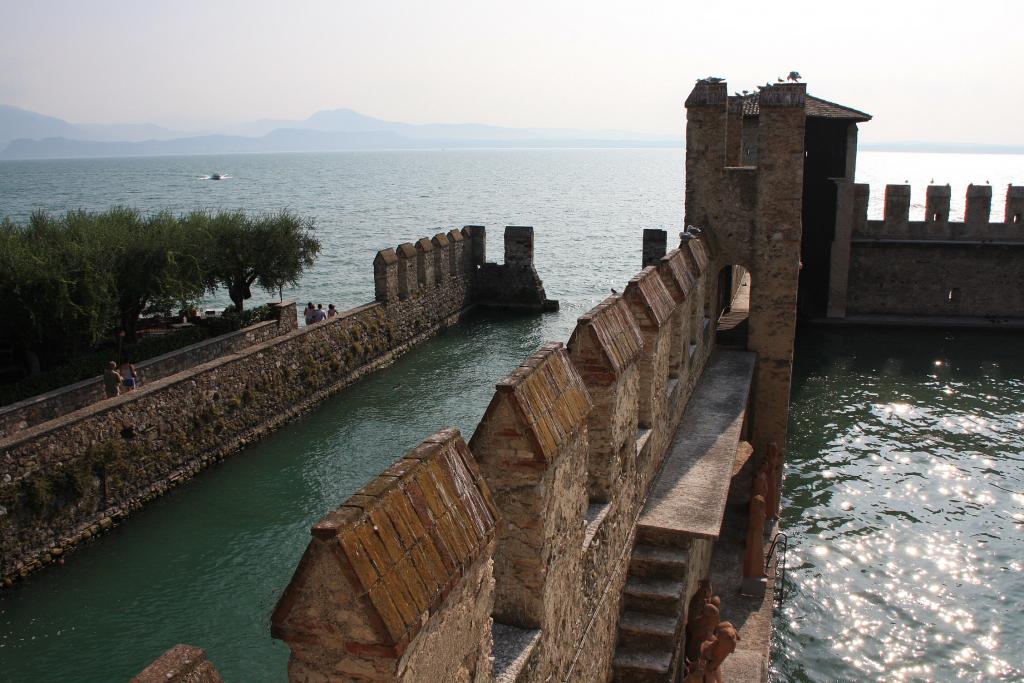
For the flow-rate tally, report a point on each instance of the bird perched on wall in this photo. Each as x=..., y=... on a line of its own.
x=711, y=79
x=794, y=76
x=613, y=291
x=779, y=80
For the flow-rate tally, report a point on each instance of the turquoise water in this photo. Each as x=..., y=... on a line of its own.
x=206, y=563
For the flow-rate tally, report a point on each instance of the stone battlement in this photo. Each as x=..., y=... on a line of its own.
x=531, y=524
x=936, y=223
x=371, y=589
x=458, y=258
x=898, y=270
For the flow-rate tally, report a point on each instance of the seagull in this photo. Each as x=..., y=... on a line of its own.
x=779, y=80
x=613, y=291
x=713, y=79
x=746, y=92
x=794, y=76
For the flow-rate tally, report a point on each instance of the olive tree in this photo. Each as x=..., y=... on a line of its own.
x=158, y=263
x=268, y=250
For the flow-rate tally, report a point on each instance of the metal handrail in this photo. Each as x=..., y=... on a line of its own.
x=779, y=543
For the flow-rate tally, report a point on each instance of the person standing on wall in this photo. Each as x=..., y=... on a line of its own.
x=112, y=380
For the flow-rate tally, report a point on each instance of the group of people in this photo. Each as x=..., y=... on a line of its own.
x=116, y=380
x=316, y=314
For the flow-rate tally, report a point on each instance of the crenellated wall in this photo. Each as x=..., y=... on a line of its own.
x=66, y=479
x=558, y=468
x=933, y=267
x=396, y=584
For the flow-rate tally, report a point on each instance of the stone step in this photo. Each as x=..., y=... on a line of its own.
x=646, y=630
x=653, y=595
x=657, y=561
x=661, y=537
x=633, y=665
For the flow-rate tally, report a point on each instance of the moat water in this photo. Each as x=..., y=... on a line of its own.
x=905, y=482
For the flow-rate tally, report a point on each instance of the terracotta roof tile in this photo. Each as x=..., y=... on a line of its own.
x=549, y=399
x=402, y=540
x=646, y=291
x=816, y=108
x=675, y=273
x=611, y=329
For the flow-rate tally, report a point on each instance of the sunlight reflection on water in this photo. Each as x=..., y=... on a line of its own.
x=903, y=506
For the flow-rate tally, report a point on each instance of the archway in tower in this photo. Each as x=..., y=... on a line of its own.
x=732, y=308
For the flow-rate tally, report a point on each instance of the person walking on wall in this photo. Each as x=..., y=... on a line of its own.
x=331, y=311
x=129, y=377
x=310, y=312
x=112, y=380
x=318, y=315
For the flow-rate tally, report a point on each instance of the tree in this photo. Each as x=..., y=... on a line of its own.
x=159, y=265
x=269, y=250
x=56, y=285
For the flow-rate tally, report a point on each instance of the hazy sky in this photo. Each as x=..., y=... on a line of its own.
x=924, y=71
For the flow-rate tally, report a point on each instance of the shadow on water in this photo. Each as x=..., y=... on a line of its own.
x=206, y=563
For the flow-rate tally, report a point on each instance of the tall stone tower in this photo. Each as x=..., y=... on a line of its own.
x=753, y=213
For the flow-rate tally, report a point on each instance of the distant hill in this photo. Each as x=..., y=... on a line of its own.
x=18, y=124
x=26, y=135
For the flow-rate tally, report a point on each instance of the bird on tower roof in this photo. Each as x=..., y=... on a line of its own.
x=794, y=76
x=711, y=79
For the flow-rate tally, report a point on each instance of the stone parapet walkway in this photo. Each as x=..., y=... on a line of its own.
x=688, y=498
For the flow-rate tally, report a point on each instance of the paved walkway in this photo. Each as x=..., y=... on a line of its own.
x=689, y=495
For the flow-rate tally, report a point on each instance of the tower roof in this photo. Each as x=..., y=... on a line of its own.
x=817, y=108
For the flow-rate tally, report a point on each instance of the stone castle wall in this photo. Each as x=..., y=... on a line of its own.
x=66, y=479
x=755, y=215
x=566, y=454
x=38, y=409
x=931, y=268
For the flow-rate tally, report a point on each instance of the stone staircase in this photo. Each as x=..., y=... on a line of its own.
x=653, y=612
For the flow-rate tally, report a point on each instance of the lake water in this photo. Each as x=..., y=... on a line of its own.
x=879, y=581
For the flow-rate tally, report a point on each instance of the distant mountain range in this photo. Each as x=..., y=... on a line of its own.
x=29, y=135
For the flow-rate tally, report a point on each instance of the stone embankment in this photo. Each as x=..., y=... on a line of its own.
x=67, y=479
